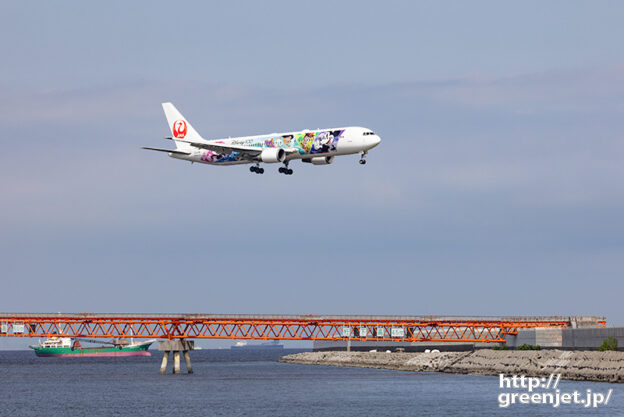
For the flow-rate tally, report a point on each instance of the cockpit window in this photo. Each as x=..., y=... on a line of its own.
x=368, y=133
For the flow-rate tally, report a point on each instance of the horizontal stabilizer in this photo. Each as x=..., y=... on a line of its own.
x=167, y=150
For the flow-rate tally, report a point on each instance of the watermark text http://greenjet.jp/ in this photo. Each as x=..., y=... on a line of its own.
x=520, y=389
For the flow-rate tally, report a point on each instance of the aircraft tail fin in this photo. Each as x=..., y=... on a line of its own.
x=180, y=127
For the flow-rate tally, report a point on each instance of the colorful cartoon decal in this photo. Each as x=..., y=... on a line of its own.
x=318, y=142
x=325, y=142
x=229, y=157
x=287, y=140
x=305, y=143
x=214, y=157
x=209, y=156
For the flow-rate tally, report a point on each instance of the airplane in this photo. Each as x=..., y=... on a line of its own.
x=317, y=147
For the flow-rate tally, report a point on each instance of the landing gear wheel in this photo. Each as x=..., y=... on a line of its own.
x=260, y=171
x=285, y=170
x=362, y=156
x=252, y=169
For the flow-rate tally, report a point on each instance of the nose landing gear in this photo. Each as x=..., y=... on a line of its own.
x=256, y=168
x=285, y=170
x=363, y=155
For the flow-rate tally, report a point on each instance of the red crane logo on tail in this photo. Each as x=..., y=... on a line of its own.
x=179, y=129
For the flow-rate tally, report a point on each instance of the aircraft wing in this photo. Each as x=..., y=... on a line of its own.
x=223, y=148
x=166, y=150
x=246, y=152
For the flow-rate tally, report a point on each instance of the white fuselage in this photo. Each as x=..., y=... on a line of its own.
x=305, y=144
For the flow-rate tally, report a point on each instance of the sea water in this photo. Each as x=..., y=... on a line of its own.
x=252, y=383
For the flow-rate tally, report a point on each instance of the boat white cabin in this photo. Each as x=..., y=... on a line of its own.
x=56, y=342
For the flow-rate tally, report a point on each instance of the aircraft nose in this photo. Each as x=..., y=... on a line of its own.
x=373, y=141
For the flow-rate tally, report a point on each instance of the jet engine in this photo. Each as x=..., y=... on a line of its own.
x=321, y=160
x=271, y=155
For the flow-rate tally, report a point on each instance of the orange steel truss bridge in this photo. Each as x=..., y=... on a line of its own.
x=280, y=327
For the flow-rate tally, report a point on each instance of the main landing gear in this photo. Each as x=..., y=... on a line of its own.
x=285, y=169
x=256, y=168
x=362, y=160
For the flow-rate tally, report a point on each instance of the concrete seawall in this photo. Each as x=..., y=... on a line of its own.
x=574, y=365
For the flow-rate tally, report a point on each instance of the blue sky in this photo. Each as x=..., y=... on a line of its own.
x=497, y=188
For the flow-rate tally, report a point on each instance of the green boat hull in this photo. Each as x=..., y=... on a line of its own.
x=136, y=350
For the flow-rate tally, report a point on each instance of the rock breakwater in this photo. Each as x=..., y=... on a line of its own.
x=574, y=365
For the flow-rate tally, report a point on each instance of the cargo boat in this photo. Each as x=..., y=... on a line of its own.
x=256, y=346
x=65, y=346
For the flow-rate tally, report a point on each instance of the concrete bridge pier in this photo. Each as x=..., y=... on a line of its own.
x=163, y=365
x=187, y=359
x=175, y=347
